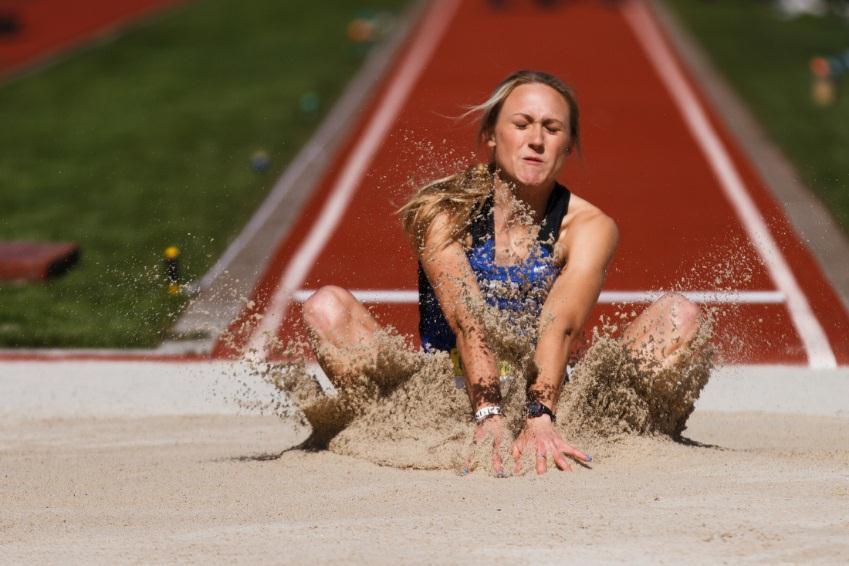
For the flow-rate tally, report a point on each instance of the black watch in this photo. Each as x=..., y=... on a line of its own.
x=536, y=409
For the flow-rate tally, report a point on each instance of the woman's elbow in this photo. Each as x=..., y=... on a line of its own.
x=465, y=327
x=611, y=230
x=568, y=332
x=562, y=328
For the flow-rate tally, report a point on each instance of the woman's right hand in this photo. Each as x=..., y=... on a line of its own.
x=493, y=436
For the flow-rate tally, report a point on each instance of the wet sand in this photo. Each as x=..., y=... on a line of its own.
x=754, y=486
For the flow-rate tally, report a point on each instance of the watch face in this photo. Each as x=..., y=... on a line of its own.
x=537, y=409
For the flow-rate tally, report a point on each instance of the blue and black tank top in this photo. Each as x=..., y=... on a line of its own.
x=520, y=287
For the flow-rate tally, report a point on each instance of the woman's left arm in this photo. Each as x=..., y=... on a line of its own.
x=589, y=246
x=589, y=241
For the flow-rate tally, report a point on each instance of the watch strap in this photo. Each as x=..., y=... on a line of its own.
x=483, y=413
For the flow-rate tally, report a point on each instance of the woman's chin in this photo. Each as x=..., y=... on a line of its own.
x=532, y=181
x=529, y=179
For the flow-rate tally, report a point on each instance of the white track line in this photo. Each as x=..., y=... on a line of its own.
x=427, y=39
x=811, y=333
x=405, y=296
x=385, y=296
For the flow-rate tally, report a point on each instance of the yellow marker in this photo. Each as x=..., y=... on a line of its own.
x=823, y=91
x=172, y=270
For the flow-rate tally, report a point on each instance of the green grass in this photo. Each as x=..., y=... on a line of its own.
x=766, y=59
x=145, y=142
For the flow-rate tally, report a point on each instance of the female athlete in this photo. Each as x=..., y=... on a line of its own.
x=508, y=225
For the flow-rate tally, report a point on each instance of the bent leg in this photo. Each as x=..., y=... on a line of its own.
x=342, y=330
x=661, y=332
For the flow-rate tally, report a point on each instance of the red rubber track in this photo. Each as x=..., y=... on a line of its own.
x=640, y=164
x=49, y=27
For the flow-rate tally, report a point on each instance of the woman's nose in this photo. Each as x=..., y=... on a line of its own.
x=535, y=140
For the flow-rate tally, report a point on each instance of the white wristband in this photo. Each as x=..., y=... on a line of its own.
x=485, y=412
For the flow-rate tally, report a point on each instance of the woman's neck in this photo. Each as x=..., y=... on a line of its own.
x=515, y=199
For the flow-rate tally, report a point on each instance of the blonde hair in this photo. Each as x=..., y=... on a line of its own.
x=459, y=195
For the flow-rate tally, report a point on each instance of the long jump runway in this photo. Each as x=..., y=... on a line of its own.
x=693, y=214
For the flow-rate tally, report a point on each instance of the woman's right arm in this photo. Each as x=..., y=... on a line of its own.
x=456, y=288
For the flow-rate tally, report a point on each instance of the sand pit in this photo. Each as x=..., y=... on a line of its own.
x=753, y=486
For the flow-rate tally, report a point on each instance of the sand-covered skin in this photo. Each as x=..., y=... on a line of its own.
x=772, y=489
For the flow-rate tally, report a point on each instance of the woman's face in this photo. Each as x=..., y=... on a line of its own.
x=531, y=136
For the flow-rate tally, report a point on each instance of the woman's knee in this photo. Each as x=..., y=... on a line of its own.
x=684, y=314
x=328, y=309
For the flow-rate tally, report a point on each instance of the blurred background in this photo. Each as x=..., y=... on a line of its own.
x=144, y=133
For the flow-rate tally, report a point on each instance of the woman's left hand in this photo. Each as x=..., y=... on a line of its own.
x=538, y=434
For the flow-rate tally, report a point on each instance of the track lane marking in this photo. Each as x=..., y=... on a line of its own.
x=428, y=37
x=811, y=333
x=407, y=296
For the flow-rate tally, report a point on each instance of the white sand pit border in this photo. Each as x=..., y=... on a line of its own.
x=108, y=389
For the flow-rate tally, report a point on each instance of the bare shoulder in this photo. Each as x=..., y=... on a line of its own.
x=585, y=217
x=438, y=238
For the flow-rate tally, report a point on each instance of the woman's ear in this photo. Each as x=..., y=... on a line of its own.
x=490, y=142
